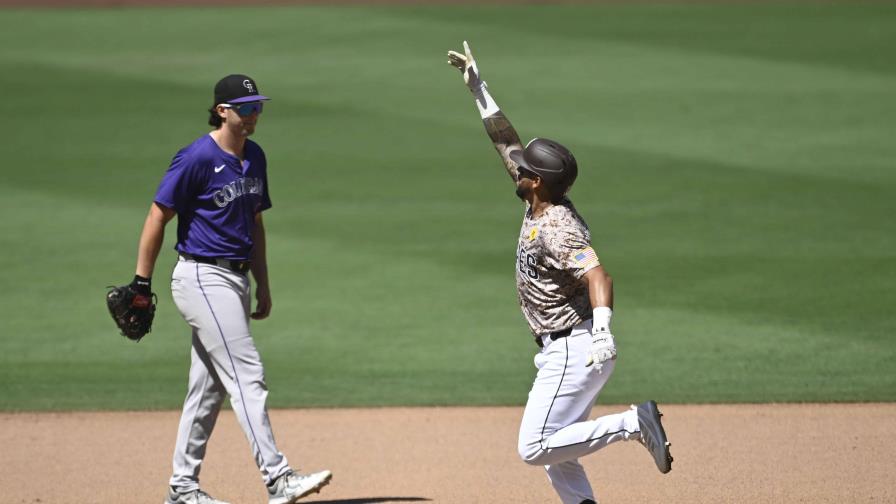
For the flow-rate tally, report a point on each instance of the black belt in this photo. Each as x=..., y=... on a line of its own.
x=241, y=267
x=554, y=336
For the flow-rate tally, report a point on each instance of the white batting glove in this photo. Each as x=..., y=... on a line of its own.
x=603, y=346
x=603, y=349
x=467, y=66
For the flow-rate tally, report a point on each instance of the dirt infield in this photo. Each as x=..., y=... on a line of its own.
x=728, y=453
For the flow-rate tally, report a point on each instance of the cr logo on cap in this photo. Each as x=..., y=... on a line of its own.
x=248, y=85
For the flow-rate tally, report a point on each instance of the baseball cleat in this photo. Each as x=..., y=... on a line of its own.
x=293, y=486
x=192, y=497
x=653, y=436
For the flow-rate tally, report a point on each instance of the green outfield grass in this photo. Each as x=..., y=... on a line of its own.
x=737, y=169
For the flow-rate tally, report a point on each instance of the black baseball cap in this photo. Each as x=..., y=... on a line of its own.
x=237, y=88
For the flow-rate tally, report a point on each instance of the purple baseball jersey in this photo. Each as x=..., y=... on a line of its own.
x=216, y=198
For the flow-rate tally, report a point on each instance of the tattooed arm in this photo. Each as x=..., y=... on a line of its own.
x=498, y=127
x=505, y=139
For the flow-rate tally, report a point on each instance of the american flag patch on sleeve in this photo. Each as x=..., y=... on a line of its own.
x=586, y=258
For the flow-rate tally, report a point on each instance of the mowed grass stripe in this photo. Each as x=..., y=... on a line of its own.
x=755, y=120
x=845, y=35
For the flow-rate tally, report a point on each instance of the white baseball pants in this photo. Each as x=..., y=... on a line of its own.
x=215, y=302
x=555, y=430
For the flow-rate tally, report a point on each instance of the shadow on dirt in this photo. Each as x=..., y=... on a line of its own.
x=373, y=500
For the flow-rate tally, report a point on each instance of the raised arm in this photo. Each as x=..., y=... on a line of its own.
x=498, y=127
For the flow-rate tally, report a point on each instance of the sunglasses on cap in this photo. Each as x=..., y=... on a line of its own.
x=245, y=109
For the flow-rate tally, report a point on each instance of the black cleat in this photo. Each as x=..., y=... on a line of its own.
x=653, y=436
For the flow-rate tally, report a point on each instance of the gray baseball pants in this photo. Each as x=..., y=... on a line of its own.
x=215, y=302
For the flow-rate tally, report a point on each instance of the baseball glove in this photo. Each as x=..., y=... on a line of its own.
x=131, y=310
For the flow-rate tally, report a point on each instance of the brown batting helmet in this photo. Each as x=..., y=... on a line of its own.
x=549, y=160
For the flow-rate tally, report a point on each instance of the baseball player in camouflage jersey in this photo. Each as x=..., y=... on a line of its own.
x=566, y=297
x=217, y=187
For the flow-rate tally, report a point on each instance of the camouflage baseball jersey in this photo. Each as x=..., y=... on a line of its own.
x=553, y=254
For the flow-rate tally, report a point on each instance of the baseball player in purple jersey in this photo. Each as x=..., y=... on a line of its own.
x=566, y=297
x=218, y=188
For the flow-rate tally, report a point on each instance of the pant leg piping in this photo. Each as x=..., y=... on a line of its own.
x=562, y=376
x=236, y=377
x=590, y=440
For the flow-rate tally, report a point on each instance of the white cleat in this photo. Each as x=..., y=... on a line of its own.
x=293, y=486
x=194, y=497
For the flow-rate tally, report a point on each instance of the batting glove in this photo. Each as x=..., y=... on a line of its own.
x=603, y=349
x=467, y=66
x=603, y=346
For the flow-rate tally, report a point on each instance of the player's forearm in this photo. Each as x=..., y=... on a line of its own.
x=500, y=131
x=151, y=240
x=600, y=292
x=600, y=288
x=258, y=258
x=259, y=268
x=505, y=138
